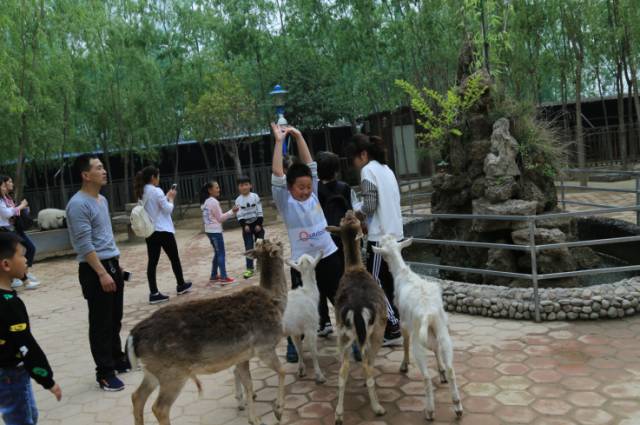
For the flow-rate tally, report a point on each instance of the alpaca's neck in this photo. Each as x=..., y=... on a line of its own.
x=352, y=257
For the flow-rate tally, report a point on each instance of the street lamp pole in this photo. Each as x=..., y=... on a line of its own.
x=278, y=94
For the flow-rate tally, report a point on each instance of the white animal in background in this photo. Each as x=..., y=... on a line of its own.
x=52, y=218
x=301, y=315
x=423, y=321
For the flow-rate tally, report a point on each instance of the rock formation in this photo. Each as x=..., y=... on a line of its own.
x=485, y=176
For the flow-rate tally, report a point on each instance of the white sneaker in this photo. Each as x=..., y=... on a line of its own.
x=16, y=283
x=31, y=285
x=32, y=278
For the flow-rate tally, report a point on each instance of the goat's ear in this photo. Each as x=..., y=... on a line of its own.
x=405, y=243
x=251, y=254
x=376, y=250
x=333, y=229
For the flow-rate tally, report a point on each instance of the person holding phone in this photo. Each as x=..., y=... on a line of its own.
x=159, y=206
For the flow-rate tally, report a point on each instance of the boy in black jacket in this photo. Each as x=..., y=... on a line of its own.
x=336, y=198
x=21, y=358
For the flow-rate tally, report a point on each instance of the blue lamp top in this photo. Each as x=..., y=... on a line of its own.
x=278, y=90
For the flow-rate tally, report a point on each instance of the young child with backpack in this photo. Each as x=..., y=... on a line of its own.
x=250, y=217
x=336, y=198
x=21, y=358
x=213, y=217
x=296, y=197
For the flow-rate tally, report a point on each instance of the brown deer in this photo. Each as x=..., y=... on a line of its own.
x=361, y=313
x=179, y=342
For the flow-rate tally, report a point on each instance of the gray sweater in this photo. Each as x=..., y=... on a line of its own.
x=89, y=226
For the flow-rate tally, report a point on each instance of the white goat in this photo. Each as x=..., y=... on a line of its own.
x=423, y=321
x=301, y=315
x=52, y=218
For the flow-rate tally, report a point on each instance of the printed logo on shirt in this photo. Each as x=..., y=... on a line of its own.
x=18, y=327
x=8, y=296
x=23, y=350
x=305, y=236
x=40, y=372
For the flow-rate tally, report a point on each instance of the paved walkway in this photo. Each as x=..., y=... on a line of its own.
x=509, y=372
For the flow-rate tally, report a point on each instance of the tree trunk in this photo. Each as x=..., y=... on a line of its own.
x=24, y=140
x=63, y=187
x=47, y=189
x=252, y=171
x=636, y=97
x=607, y=136
x=126, y=179
x=622, y=134
x=107, y=163
x=232, y=149
x=204, y=155
x=175, y=169
x=65, y=136
x=579, y=132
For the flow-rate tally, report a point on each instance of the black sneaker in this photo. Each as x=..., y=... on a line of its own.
x=392, y=336
x=184, y=288
x=158, y=298
x=123, y=365
x=325, y=330
x=111, y=384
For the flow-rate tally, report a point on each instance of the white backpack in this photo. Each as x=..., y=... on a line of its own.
x=141, y=223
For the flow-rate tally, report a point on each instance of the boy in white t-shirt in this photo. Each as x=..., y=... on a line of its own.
x=296, y=197
x=250, y=217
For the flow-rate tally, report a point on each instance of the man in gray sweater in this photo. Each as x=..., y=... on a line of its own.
x=100, y=275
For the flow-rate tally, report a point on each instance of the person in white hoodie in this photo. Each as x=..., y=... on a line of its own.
x=159, y=207
x=381, y=206
x=213, y=217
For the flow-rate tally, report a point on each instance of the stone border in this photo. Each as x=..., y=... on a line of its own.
x=613, y=300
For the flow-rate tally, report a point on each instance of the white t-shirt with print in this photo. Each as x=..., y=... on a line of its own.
x=304, y=220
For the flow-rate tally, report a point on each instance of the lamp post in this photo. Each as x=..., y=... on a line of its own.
x=278, y=94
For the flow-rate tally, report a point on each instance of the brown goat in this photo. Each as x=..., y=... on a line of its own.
x=361, y=313
x=180, y=341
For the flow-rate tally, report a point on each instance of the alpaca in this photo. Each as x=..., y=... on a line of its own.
x=361, y=313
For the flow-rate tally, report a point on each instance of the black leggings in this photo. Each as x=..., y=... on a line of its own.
x=166, y=241
x=328, y=273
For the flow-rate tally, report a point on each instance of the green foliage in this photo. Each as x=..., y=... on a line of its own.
x=439, y=115
x=120, y=75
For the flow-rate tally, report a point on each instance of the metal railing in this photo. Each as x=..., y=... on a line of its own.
x=635, y=175
x=532, y=247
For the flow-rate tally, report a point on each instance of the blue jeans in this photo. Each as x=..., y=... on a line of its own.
x=31, y=248
x=17, y=403
x=217, y=241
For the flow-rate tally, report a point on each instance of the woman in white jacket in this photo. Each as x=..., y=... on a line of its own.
x=381, y=206
x=159, y=206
